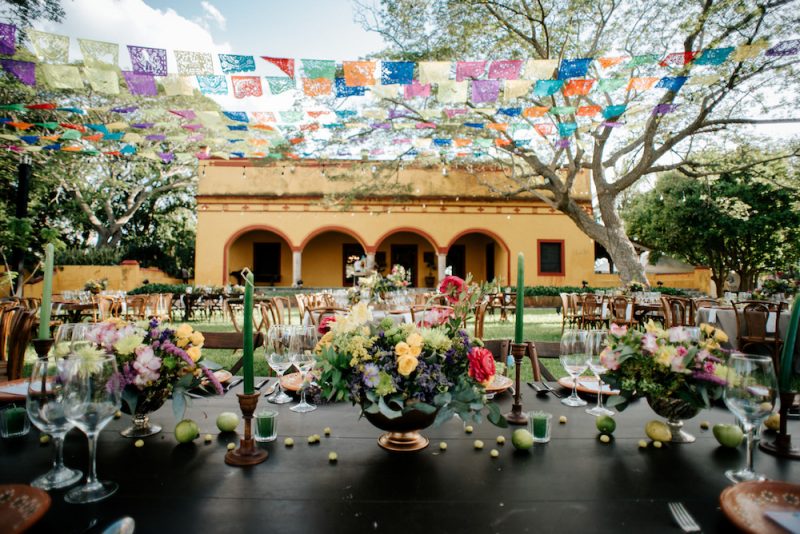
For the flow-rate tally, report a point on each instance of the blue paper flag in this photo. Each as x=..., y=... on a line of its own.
x=237, y=127
x=547, y=87
x=671, y=83
x=98, y=128
x=345, y=113
x=573, y=68
x=614, y=111
x=54, y=146
x=235, y=63
x=443, y=142
x=714, y=56
x=128, y=150
x=240, y=116
x=213, y=85
x=510, y=112
x=397, y=72
x=116, y=136
x=476, y=125
x=343, y=90
x=565, y=129
x=30, y=139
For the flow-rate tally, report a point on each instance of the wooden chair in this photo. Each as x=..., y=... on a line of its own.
x=265, y=322
x=419, y=313
x=569, y=315
x=231, y=341
x=281, y=310
x=317, y=314
x=480, y=315
x=136, y=307
x=20, y=334
x=591, y=313
x=677, y=311
x=6, y=316
x=301, y=306
x=106, y=307
x=621, y=312
x=509, y=304
x=234, y=308
x=752, y=318
x=500, y=348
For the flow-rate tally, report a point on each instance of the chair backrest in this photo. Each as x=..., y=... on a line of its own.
x=591, y=307
x=480, y=315
x=677, y=311
x=425, y=314
x=231, y=341
x=266, y=320
x=752, y=317
x=301, y=305
x=565, y=307
x=137, y=306
x=500, y=348
x=6, y=316
x=106, y=306
x=317, y=314
x=619, y=309
x=575, y=303
x=20, y=335
x=281, y=309
x=705, y=302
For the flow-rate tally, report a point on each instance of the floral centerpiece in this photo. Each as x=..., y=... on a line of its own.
x=406, y=377
x=399, y=278
x=678, y=373
x=95, y=286
x=781, y=283
x=155, y=363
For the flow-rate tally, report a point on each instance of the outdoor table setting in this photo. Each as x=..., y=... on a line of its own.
x=725, y=318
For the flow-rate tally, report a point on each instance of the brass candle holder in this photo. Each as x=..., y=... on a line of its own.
x=782, y=445
x=247, y=453
x=516, y=415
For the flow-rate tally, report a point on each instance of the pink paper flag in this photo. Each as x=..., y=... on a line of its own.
x=485, y=90
x=504, y=69
x=417, y=89
x=469, y=69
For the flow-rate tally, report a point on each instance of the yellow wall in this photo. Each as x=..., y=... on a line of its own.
x=699, y=279
x=322, y=260
x=120, y=278
x=408, y=238
x=240, y=255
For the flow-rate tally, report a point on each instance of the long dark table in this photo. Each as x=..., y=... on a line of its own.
x=573, y=484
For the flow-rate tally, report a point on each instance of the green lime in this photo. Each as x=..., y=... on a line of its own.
x=658, y=431
x=227, y=421
x=186, y=431
x=606, y=424
x=728, y=435
x=522, y=439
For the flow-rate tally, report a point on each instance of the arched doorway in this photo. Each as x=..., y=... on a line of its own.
x=480, y=252
x=325, y=254
x=412, y=248
x=265, y=251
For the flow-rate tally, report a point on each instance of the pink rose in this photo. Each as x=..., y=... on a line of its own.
x=324, y=324
x=618, y=330
x=609, y=359
x=481, y=365
x=649, y=343
x=451, y=287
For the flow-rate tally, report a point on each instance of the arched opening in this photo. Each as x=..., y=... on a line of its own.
x=481, y=253
x=325, y=255
x=413, y=249
x=265, y=251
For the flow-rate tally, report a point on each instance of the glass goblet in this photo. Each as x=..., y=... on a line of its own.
x=92, y=395
x=45, y=406
x=279, y=358
x=750, y=394
x=302, y=344
x=595, y=342
x=573, y=359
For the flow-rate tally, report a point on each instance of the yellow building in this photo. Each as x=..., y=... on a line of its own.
x=271, y=218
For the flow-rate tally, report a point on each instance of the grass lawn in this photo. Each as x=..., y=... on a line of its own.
x=541, y=324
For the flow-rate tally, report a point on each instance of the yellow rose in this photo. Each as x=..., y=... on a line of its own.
x=402, y=349
x=194, y=353
x=406, y=364
x=197, y=339
x=414, y=339
x=184, y=330
x=720, y=336
x=182, y=341
x=665, y=354
x=415, y=350
x=707, y=328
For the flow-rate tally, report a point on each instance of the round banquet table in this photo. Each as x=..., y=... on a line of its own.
x=575, y=483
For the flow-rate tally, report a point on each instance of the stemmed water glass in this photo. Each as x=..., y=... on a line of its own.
x=595, y=341
x=573, y=359
x=45, y=405
x=750, y=394
x=301, y=348
x=279, y=358
x=92, y=395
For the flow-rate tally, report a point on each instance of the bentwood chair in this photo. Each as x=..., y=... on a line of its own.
x=137, y=307
x=758, y=327
x=231, y=341
x=480, y=315
x=621, y=312
x=280, y=310
x=568, y=313
x=677, y=311
x=316, y=315
x=20, y=334
x=592, y=313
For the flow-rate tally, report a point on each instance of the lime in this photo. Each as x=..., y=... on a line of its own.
x=657, y=444
x=606, y=424
x=522, y=439
x=186, y=431
x=642, y=444
x=705, y=425
x=327, y=431
x=468, y=429
x=773, y=422
x=728, y=435
x=658, y=431
x=44, y=439
x=227, y=421
x=231, y=446
x=208, y=438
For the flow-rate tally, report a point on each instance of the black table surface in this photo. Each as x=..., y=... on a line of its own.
x=575, y=483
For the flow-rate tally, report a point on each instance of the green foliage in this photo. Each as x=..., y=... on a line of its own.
x=555, y=291
x=148, y=289
x=89, y=256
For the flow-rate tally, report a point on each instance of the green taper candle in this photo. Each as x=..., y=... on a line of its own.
x=247, y=330
x=520, y=298
x=47, y=293
x=787, y=358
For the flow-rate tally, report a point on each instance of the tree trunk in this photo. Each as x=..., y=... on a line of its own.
x=617, y=242
x=719, y=283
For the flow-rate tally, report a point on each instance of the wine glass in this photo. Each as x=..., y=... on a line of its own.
x=595, y=342
x=279, y=358
x=301, y=348
x=92, y=395
x=573, y=359
x=750, y=394
x=45, y=405
x=63, y=338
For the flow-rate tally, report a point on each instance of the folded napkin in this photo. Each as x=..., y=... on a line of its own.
x=771, y=319
x=592, y=385
x=15, y=389
x=712, y=315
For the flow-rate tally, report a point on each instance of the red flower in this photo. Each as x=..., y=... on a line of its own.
x=324, y=328
x=451, y=287
x=481, y=365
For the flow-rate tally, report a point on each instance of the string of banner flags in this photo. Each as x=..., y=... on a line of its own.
x=453, y=96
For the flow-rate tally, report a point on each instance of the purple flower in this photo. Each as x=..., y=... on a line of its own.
x=371, y=378
x=213, y=380
x=708, y=377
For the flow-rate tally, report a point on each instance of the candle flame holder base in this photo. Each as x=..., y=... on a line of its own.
x=43, y=346
x=247, y=453
x=516, y=416
x=782, y=445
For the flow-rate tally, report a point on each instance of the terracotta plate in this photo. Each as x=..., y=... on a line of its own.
x=21, y=506
x=586, y=384
x=223, y=375
x=499, y=384
x=292, y=381
x=745, y=504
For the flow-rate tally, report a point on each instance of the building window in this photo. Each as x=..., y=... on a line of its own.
x=551, y=257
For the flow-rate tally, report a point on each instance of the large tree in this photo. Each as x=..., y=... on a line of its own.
x=746, y=220
x=621, y=149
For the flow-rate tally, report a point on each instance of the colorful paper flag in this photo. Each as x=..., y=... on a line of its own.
x=578, y=87
x=49, y=47
x=239, y=116
x=612, y=112
x=279, y=84
x=547, y=87
x=359, y=73
x=706, y=79
x=608, y=85
x=452, y=92
x=573, y=68
x=485, y=91
x=317, y=86
x=469, y=70
x=535, y=111
x=540, y=69
x=562, y=110
x=510, y=112
x=641, y=84
x=61, y=76
x=745, y=52
x=343, y=91
x=319, y=68
x=286, y=65
x=565, y=129
x=213, y=85
x=417, y=89
x=102, y=80
x=513, y=89
x=397, y=72
x=785, y=48
x=679, y=59
x=433, y=71
x=236, y=63
x=671, y=83
x=175, y=85
x=588, y=111
x=714, y=56
x=608, y=62
x=99, y=54
x=663, y=109
x=642, y=61
x=244, y=86
x=146, y=60
x=194, y=63
x=504, y=69
x=24, y=71
x=8, y=39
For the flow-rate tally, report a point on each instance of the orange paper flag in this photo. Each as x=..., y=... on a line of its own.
x=317, y=86
x=577, y=87
x=607, y=62
x=641, y=84
x=359, y=73
x=588, y=111
x=535, y=111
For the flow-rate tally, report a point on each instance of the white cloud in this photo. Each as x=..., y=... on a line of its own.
x=132, y=22
x=212, y=13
